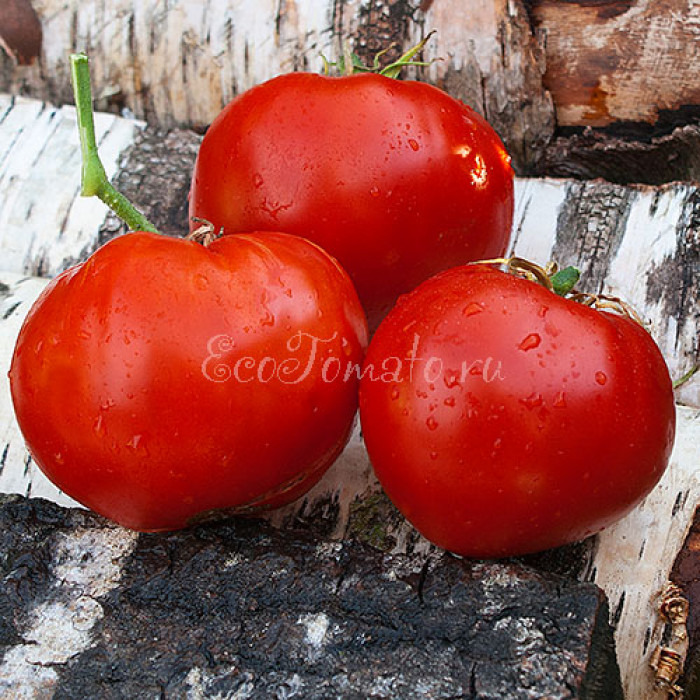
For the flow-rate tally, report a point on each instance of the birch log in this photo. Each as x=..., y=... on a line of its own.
x=177, y=63
x=620, y=60
x=640, y=243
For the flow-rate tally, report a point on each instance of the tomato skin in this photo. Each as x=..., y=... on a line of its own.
x=125, y=385
x=396, y=179
x=525, y=420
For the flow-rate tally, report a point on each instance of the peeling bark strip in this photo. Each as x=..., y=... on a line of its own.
x=619, y=60
x=89, y=610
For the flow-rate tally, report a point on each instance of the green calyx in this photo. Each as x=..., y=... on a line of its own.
x=94, y=180
x=351, y=64
x=564, y=280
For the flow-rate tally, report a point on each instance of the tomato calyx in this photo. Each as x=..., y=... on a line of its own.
x=351, y=64
x=205, y=234
x=94, y=180
x=562, y=282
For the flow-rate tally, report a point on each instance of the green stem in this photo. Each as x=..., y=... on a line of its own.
x=94, y=181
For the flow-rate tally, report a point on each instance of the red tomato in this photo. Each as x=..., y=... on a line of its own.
x=162, y=379
x=396, y=179
x=503, y=419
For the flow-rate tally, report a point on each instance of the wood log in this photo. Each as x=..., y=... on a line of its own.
x=620, y=60
x=177, y=64
x=237, y=610
x=636, y=242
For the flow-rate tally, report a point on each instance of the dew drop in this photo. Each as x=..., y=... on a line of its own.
x=532, y=401
x=134, y=442
x=543, y=311
x=559, y=400
x=449, y=401
x=98, y=425
x=84, y=335
x=374, y=191
x=395, y=393
x=431, y=423
x=601, y=378
x=258, y=180
x=530, y=342
x=59, y=458
x=413, y=144
x=451, y=378
x=201, y=282
x=434, y=455
x=472, y=309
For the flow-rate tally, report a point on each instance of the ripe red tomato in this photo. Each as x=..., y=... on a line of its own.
x=162, y=379
x=396, y=179
x=503, y=419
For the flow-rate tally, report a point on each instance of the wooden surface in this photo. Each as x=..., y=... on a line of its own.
x=539, y=70
x=620, y=60
x=637, y=242
x=177, y=63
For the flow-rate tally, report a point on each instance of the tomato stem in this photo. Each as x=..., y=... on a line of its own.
x=94, y=180
x=350, y=63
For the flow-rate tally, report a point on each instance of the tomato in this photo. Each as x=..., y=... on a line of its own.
x=396, y=179
x=503, y=419
x=162, y=379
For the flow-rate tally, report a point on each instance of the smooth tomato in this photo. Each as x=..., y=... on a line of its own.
x=162, y=379
x=396, y=179
x=503, y=419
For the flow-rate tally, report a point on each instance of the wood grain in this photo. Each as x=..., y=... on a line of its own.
x=619, y=60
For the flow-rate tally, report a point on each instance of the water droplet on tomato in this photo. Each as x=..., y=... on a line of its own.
x=532, y=401
x=543, y=311
x=601, y=378
x=451, y=378
x=421, y=394
x=201, y=282
x=374, y=191
x=413, y=144
x=559, y=400
x=449, y=401
x=529, y=342
x=59, y=458
x=395, y=393
x=98, y=425
x=434, y=455
x=472, y=308
x=134, y=442
x=258, y=180
x=431, y=423
x=107, y=404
